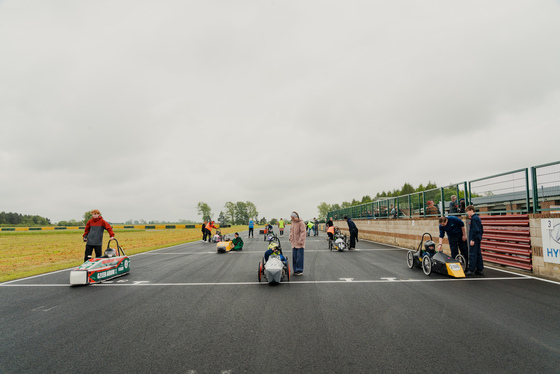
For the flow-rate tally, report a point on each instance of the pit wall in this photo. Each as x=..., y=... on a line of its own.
x=541, y=268
x=407, y=233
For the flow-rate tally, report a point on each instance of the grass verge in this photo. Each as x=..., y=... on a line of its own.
x=28, y=253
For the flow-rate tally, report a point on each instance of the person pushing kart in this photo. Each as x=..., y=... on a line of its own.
x=456, y=235
x=93, y=234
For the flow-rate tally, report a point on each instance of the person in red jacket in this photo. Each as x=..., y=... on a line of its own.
x=93, y=234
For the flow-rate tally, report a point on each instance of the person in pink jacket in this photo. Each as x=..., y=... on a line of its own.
x=298, y=233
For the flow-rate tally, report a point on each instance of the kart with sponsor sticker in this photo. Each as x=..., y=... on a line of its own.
x=114, y=263
x=276, y=268
x=429, y=260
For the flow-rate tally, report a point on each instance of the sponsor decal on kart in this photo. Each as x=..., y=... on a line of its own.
x=98, y=276
x=455, y=267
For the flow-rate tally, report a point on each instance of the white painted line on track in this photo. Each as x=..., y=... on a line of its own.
x=343, y=281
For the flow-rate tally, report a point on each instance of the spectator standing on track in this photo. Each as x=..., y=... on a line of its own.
x=456, y=235
x=204, y=230
x=353, y=232
x=476, y=264
x=297, y=239
x=309, y=227
x=251, y=228
x=281, y=225
x=315, y=227
x=453, y=205
x=93, y=234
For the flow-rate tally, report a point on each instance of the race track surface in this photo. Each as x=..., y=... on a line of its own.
x=188, y=309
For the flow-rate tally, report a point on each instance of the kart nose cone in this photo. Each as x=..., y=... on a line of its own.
x=274, y=271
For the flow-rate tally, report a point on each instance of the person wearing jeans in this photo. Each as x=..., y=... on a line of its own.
x=298, y=234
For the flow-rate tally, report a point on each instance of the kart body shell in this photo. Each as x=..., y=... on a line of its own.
x=439, y=262
x=339, y=241
x=217, y=237
x=340, y=244
x=224, y=246
x=274, y=270
x=97, y=270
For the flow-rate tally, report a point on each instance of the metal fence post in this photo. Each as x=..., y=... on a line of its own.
x=424, y=203
x=442, y=213
x=535, y=190
x=527, y=189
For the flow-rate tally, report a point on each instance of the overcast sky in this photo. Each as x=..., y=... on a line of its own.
x=141, y=109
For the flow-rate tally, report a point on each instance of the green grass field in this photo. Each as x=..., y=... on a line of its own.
x=27, y=253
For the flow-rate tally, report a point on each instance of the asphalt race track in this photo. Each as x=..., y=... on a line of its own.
x=188, y=309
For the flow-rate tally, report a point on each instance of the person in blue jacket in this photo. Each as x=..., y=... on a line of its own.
x=476, y=265
x=251, y=228
x=456, y=235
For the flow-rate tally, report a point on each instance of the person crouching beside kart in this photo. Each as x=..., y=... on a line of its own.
x=93, y=234
x=273, y=250
x=429, y=249
x=237, y=243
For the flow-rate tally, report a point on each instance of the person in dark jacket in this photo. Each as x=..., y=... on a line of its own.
x=353, y=232
x=456, y=235
x=476, y=265
x=93, y=234
x=203, y=229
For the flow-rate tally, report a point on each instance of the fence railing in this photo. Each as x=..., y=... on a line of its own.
x=506, y=193
x=501, y=193
x=546, y=187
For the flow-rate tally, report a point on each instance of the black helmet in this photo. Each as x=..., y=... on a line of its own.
x=430, y=246
x=110, y=252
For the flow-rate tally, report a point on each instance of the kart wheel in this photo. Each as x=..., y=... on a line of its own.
x=462, y=261
x=410, y=259
x=260, y=270
x=288, y=269
x=427, y=265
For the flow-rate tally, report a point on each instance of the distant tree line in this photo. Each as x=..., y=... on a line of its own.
x=238, y=213
x=18, y=219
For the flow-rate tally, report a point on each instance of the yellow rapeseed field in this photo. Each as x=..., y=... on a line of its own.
x=27, y=253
